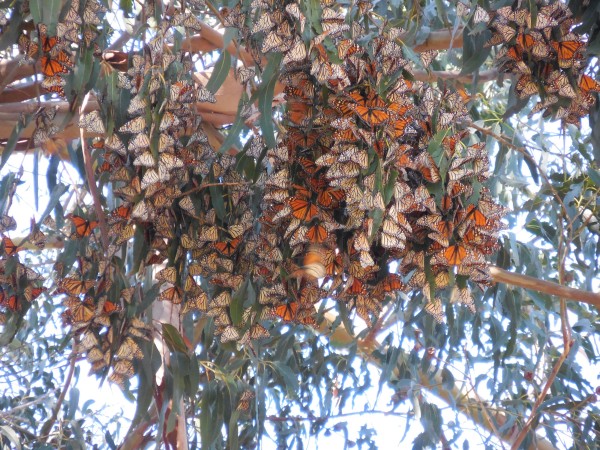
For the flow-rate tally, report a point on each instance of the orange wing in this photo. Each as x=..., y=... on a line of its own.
x=587, y=84
x=303, y=209
x=10, y=248
x=83, y=227
x=330, y=197
x=566, y=52
x=51, y=67
x=227, y=248
x=316, y=234
x=287, y=312
x=110, y=308
x=455, y=254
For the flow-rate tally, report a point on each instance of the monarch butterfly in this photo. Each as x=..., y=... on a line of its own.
x=92, y=122
x=51, y=67
x=427, y=57
x=168, y=274
x=434, y=308
x=455, y=254
x=296, y=53
x=11, y=302
x=480, y=15
x=10, y=248
x=307, y=165
x=73, y=286
x=134, y=126
x=526, y=86
x=313, y=263
x=391, y=283
x=544, y=21
x=330, y=197
x=587, y=84
x=120, y=213
x=83, y=227
x=302, y=208
x=198, y=302
x=54, y=84
x=129, y=350
x=227, y=248
x=559, y=82
x=31, y=293
x=316, y=233
x=109, y=308
x=81, y=312
x=174, y=294
x=287, y=312
x=356, y=287
x=566, y=51
x=63, y=58
x=230, y=333
x=299, y=113
x=369, y=109
x=473, y=213
x=124, y=368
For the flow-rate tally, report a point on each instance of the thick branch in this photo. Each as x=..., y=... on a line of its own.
x=441, y=40
x=502, y=276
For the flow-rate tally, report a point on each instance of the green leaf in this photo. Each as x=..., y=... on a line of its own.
x=474, y=51
x=57, y=192
x=290, y=379
x=594, y=176
x=12, y=140
x=220, y=72
x=46, y=12
x=11, y=31
x=173, y=339
x=235, y=130
x=237, y=302
x=126, y=6
x=232, y=432
x=265, y=99
x=209, y=423
x=216, y=195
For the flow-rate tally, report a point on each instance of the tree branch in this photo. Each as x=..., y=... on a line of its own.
x=503, y=276
x=45, y=431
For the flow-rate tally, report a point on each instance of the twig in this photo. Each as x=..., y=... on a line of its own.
x=25, y=405
x=523, y=433
x=89, y=173
x=45, y=431
x=207, y=185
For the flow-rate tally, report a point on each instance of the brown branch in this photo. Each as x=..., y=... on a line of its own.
x=523, y=433
x=91, y=180
x=503, y=276
x=440, y=40
x=45, y=431
x=485, y=76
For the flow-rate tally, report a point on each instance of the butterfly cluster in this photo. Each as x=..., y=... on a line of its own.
x=19, y=284
x=357, y=176
x=54, y=49
x=155, y=161
x=546, y=56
